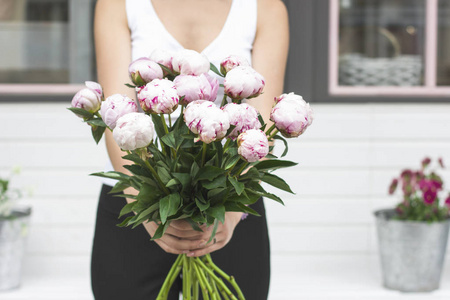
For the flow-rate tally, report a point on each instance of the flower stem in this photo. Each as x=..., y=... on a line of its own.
x=230, y=279
x=205, y=147
x=163, y=186
x=224, y=100
x=238, y=173
x=173, y=273
x=214, y=277
x=270, y=129
x=202, y=280
x=272, y=135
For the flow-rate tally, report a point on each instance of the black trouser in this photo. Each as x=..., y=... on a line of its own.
x=127, y=265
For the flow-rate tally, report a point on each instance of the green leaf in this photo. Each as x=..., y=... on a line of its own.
x=119, y=187
x=130, y=85
x=202, y=205
x=238, y=186
x=184, y=178
x=236, y=206
x=220, y=181
x=79, y=111
x=232, y=127
x=168, y=71
x=217, y=212
x=127, y=209
x=172, y=182
x=213, y=233
x=145, y=215
x=134, y=158
x=215, y=70
x=194, y=169
x=163, y=174
x=273, y=164
x=112, y=175
x=159, y=126
x=169, y=140
x=209, y=172
x=168, y=206
x=160, y=230
x=277, y=182
x=261, y=120
x=286, y=147
x=125, y=222
x=97, y=122
x=97, y=133
x=232, y=161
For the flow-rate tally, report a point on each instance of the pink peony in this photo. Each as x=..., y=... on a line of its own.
x=190, y=62
x=115, y=107
x=425, y=162
x=97, y=88
x=232, y=62
x=393, y=186
x=143, y=71
x=203, y=87
x=159, y=96
x=207, y=120
x=292, y=118
x=290, y=97
x=162, y=57
x=133, y=131
x=253, y=145
x=243, y=116
x=243, y=82
x=89, y=98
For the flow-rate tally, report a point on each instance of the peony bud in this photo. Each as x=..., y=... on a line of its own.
x=97, y=88
x=253, y=145
x=393, y=186
x=243, y=82
x=162, y=57
x=143, y=71
x=290, y=97
x=190, y=62
x=133, y=131
x=159, y=96
x=425, y=162
x=292, y=118
x=207, y=120
x=243, y=116
x=203, y=87
x=232, y=62
x=115, y=107
x=87, y=99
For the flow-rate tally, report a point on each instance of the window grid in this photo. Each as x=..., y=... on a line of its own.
x=430, y=87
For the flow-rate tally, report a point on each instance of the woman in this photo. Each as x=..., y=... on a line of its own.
x=125, y=264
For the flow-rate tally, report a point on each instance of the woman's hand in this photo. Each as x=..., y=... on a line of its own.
x=180, y=238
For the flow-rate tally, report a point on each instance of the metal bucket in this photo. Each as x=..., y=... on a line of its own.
x=412, y=253
x=13, y=233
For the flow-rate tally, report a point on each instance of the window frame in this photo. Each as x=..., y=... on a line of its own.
x=25, y=92
x=429, y=89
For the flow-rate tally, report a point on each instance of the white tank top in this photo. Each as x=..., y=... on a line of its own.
x=148, y=33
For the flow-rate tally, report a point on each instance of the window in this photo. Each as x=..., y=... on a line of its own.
x=402, y=46
x=46, y=46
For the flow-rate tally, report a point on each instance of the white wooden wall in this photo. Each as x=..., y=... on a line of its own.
x=346, y=161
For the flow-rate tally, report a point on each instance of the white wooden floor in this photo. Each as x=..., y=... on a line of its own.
x=308, y=277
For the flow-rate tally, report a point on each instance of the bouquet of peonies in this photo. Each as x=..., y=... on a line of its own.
x=204, y=163
x=420, y=194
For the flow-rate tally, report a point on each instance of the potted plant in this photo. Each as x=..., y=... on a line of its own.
x=413, y=236
x=13, y=231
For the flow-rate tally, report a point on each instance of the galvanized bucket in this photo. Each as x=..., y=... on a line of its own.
x=412, y=253
x=13, y=233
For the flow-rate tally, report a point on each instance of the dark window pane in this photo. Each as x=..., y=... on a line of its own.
x=381, y=42
x=443, y=63
x=46, y=41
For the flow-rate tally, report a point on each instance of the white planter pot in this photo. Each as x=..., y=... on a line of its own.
x=412, y=253
x=13, y=234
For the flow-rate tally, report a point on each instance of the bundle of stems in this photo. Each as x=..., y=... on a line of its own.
x=200, y=276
